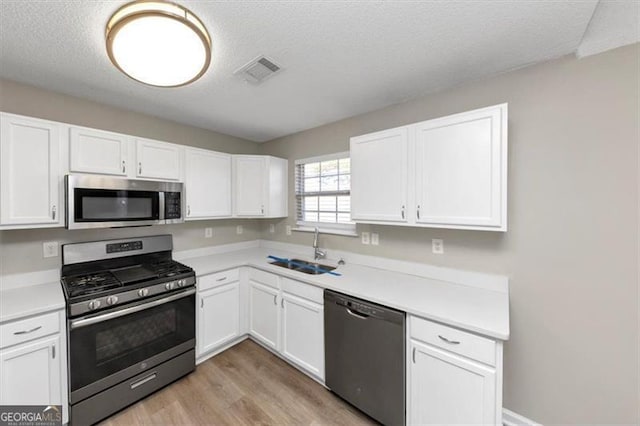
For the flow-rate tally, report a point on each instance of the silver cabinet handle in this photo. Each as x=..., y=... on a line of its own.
x=140, y=168
x=53, y=352
x=402, y=212
x=275, y=301
x=53, y=213
x=188, y=210
x=17, y=333
x=451, y=342
x=144, y=380
x=413, y=355
x=418, y=212
x=261, y=209
x=202, y=303
x=282, y=302
x=221, y=279
x=124, y=169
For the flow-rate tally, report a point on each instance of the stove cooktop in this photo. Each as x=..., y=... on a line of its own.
x=121, y=279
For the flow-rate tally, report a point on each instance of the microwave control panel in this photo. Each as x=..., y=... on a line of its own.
x=172, y=203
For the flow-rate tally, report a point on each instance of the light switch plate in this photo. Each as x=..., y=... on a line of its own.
x=288, y=229
x=208, y=232
x=437, y=246
x=272, y=228
x=50, y=249
x=365, y=237
x=239, y=229
x=375, y=239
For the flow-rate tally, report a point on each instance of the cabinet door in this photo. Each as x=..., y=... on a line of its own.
x=31, y=373
x=264, y=314
x=303, y=333
x=218, y=317
x=460, y=167
x=251, y=185
x=30, y=171
x=157, y=160
x=379, y=176
x=207, y=184
x=96, y=151
x=448, y=389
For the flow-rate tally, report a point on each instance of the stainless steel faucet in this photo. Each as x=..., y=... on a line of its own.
x=317, y=253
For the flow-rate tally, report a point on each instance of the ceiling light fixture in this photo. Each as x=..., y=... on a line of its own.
x=158, y=43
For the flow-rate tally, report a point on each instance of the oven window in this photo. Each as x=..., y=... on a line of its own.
x=123, y=339
x=99, y=350
x=98, y=205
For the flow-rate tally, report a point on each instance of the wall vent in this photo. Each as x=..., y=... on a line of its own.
x=258, y=70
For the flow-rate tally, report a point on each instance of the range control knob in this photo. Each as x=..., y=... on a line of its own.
x=143, y=292
x=180, y=283
x=169, y=285
x=112, y=300
x=94, y=304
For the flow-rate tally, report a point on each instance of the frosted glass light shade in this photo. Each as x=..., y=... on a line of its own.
x=158, y=43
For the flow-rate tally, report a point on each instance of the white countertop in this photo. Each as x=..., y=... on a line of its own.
x=483, y=311
x=25, y=301
x=470, y=301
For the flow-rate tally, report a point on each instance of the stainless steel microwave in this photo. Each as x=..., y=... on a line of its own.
x=105, y=202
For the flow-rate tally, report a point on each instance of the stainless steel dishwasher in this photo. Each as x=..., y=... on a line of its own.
x=365, y=356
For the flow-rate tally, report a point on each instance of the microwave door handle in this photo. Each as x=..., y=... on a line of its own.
x=161, y=205
x=83, y=322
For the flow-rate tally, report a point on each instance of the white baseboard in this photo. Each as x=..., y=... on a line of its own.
x=509, y=418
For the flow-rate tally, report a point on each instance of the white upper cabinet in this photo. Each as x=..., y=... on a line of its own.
x=460, y=169
x=379, y=176
x=97, y=151
x=207, y=184
x=260, y=186
x=30, y=175
x=449, y=172
x=158, y=160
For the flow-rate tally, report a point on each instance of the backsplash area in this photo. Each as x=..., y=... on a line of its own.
x=21, y=250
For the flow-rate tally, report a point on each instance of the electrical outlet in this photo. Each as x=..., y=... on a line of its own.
x=288, y=229
x=272, y=228
x=208, y=232
x=365, y=237
x=239, y=229
x=375, y=239
x=437, y=246
x=50, y=249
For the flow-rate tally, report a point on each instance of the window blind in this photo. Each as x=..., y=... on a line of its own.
x=323, y=190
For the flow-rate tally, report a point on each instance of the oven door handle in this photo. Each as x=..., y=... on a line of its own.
x=83, y=322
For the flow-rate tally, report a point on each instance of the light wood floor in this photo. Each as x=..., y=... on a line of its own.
x=245, y=385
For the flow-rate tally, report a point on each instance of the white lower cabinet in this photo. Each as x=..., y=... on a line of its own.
x=264, y=314
x=303, y=329
x=452, y=386
x=218, y=319
x=33, y=362
x=288, y=317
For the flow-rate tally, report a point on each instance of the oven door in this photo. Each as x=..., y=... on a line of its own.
x=112, y=346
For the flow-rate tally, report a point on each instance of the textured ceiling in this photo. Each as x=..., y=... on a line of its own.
x=340, y=58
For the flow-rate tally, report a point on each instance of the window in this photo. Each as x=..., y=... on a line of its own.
x=323, y=186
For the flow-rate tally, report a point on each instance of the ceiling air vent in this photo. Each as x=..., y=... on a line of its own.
x=258, y=70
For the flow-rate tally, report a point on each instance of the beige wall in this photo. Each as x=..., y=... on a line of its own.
x=571, y=249
x=21, y=250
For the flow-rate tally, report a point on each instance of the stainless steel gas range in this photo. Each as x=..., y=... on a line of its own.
x=131, y=322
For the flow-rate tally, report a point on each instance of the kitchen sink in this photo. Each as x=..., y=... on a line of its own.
x=311, y=268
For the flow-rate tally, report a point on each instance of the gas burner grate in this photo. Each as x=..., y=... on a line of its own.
x=80, y=285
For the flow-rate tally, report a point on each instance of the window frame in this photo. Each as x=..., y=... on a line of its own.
x=348, y=229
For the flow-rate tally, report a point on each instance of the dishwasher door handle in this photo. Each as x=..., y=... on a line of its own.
x=356, y=314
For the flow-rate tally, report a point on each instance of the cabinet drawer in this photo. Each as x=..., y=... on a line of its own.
x=454, y=340
x=219, y=278
x=263, y=277
x=28, y=329
x=306, y=291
